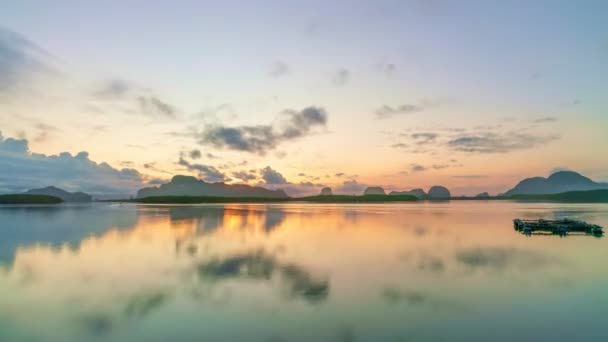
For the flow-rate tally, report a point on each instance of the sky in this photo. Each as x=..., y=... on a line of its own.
x=108, y=97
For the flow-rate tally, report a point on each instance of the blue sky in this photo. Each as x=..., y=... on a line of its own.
x=506, y=72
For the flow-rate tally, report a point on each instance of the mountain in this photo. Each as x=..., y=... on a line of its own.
x=562, y=181
x=60, y=193
x=419, y=193
x=439, y=192
x=326, y=191
x=190, y=186
x=374, y=190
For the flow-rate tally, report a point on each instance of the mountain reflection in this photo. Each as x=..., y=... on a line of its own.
x=56, y=226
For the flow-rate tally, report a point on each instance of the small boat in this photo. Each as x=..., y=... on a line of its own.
x=560, y=227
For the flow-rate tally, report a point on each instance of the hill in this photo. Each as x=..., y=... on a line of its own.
x=64, y=195
x=190, y=186
x=28, y=199
x=562, y=181
x=590, y=196
x=318, y=198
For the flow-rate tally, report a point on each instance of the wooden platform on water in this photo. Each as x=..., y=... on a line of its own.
x=561, y=227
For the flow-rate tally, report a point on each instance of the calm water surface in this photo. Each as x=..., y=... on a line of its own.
x=299, y=272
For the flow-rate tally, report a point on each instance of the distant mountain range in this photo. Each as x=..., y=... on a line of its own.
x=60, y=193
x=190, y=186
x=436, y=192
x=562, y=181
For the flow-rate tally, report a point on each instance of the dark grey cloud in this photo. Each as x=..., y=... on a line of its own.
x=247, y=175
x=341, y=77
x=278, y=69
x=417, y=168
x=207, y=173
x=271, y=176
x=23, y=170
x=340, y=174
x=21, y=61
x=195, y=154
x=498, y=142
x=260, y=139
x=386, y=111
x=424, y=137
x=480, y=139
x=350, y=187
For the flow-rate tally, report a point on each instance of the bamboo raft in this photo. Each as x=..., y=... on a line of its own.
x=561, y=227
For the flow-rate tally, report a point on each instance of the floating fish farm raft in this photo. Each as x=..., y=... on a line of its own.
x=561, y=227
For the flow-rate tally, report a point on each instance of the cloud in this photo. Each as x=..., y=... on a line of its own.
x=224, y=111
x=341, y=77
x=44, y=131
x=271, y=176
x=245, y=175
x=195, y=154
x=205, y=172
x=417, y=168
x=146, y=101
x=498, y=142
x=260, y=139
x=21, y=61
x=297, y=281
x=501, y=258
x=470, y=176
x=424, y=137
x=388, y=69
x=23, y=170
x=152, y=105
x=114, y=88
x=278, y=69
x=414, y=167
x=350, y=187
x=386, y=111
x=547, y=119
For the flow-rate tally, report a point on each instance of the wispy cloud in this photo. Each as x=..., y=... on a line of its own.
x=546, y=119
x=498, y=143
x=22, y=61
x=386, y=111
x=123, y=91
x=341, y=77
x=278, y=69
x=206, y=172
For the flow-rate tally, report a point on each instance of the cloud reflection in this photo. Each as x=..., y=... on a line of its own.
x=258, y=265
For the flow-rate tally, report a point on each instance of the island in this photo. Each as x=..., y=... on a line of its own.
x=314, y=199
